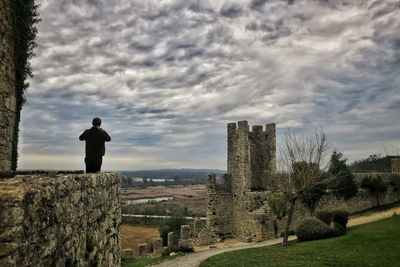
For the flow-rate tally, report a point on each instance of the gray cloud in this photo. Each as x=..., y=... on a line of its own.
x=166, y=77
x=231, y=10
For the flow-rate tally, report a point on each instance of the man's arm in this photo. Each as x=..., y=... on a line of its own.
x=107, y=137
x=82, y=137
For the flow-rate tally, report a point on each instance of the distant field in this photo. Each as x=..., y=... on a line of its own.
x=193, y=197
x=159, y=191
x=132, y=236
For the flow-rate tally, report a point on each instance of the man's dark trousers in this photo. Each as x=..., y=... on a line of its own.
x=93, y=164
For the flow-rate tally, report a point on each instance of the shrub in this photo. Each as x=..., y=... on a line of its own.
x=336, y=229
x=176, y=249
x=328, y=216
x=325, y=216
x=376, y=187
x=312, y=229
x=341, y=217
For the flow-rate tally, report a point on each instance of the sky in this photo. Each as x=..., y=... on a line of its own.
x=166, y=76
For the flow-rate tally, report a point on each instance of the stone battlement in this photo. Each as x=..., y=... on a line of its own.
x=60, y=220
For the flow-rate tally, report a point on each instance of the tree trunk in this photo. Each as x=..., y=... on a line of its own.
x=377, y=200
x=288, y=222
x=276, y=228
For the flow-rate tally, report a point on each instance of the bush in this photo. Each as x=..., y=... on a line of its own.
x=376, y=187
x=312, y=229
x=325, y=216
x=341, y=217
x=336, y=229
x=328, y=216
x=176, y=249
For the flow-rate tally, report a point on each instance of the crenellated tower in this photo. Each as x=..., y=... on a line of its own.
x=235, y=203
x=251, y=156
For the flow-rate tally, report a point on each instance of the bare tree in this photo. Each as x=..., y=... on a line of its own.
x=302, y=161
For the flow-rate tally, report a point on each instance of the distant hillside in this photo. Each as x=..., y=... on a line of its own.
x=374, y=163
x=187, y=174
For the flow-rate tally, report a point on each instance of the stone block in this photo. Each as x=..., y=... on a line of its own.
x=11, y=216
x=8, y=234
x=157, y=247
x=170, y=242
x=185, y=232
x=7, y=249
x=8, y=261
x=143, y=249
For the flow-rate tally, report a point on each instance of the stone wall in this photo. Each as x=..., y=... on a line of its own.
x=60, y=220
x=7, y=87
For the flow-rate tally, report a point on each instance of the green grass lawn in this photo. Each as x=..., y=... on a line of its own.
x=373, y=244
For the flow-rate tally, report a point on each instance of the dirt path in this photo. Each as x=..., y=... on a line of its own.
x=194, y=259
x=372, y=217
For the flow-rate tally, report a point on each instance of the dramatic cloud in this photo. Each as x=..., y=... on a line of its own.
x=166, y=77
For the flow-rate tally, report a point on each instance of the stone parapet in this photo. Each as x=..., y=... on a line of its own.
x=60, y=220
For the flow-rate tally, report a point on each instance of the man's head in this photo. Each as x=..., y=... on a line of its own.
x=96, y=121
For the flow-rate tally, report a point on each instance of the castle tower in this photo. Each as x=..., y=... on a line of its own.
x=251, y=156
x=235, y=202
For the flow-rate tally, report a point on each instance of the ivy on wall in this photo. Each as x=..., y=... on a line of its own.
x=25, y=18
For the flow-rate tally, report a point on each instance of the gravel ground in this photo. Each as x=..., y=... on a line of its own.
x=194, y=259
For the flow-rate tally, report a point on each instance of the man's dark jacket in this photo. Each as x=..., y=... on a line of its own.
x=95, y=142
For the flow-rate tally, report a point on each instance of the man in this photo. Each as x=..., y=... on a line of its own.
x=95, y=138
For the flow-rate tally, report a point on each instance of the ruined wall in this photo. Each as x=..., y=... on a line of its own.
x=7, y=87
x=219, y=210
x=60, y=220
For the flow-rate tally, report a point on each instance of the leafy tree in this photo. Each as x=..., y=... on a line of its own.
x=278, y=206
x=297, y=179
x=342, y=182
x=312, y=195
x=373, y=164
x=376, y=187
x=25, y=18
